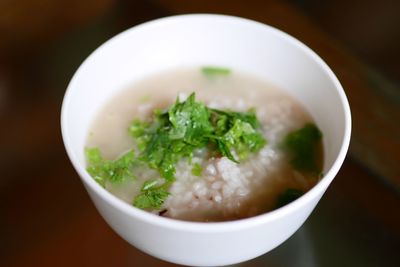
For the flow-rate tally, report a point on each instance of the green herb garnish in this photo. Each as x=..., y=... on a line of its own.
x=174, y=134
x=302, y=145
x=237, y=131
x=211, y=71
x=107, y=170
x=288, y=196
x=152, y=195
x=197, y=169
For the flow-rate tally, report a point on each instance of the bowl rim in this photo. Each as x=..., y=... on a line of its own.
x=209, y=227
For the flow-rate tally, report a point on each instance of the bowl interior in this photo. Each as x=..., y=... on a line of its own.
x=198, y=40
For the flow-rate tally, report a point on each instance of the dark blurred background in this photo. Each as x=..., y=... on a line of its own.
x=46, y=217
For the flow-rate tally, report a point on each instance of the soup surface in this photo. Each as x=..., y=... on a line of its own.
x=212, y=187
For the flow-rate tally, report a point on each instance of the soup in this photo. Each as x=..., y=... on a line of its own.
x=277, y=158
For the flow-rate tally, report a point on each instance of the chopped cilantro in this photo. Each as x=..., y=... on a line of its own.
x=247, y=116
x=107, y=170
x=211, y=71
x=288, y=196
x=237, y=131
x=138, y=130
x=95, y=163
x=243, y=138
x=152, y=195
x=190, y=121
x=174, y=134
x=189, y=125
x=197, y=169
x=302, y=145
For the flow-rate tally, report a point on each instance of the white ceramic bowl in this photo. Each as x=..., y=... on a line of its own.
x=196, y=40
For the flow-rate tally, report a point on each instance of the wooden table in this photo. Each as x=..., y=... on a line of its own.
x=46, y=216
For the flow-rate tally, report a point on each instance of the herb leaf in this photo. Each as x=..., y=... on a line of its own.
x=174, y=134
x=211, y=71
x=107, y=170
x=244, y=138
x=189, y=125
x=237, y=131
x=152, y=195
x=139, y=131
x=197, y=169
x=302, y=144
x=190, y=121
x=95, y=163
